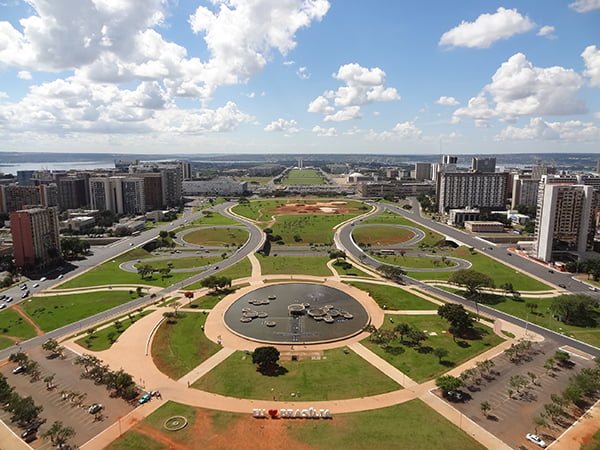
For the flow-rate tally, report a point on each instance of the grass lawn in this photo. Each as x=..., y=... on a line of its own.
x=304, y=229
x=351, y=272
x=432, y=239
x=399, y=426
x=241, y=269
x=209, y=301
x=109, y=273
x=381, y=235
x=541, y=316
x=101, y=340
x=416, y=262
x=294, y=265
x=51, y=312
x=184, y=263
x=5, y=343
x=12, y=324
x=411, y=425
x=394, y=298
x=180, y=347
x=330, y=378
x=303, y=176
x=256, y=180
x=217, y=236
x=482, y=263
x=424, y=366
x=260, y=210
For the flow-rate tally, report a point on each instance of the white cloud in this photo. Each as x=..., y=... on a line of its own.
x=24, y=75
x=487, y=29
x=241, y=35
x=538, y=129
x=289, y=126
x=401, y=131
x=289, y=63
x=200, y=121
x=583, y=6
x=518, y=88
x=447, y=101
x=546, y=31
x=324, y=132
x=591, y=57
x=3, y=94
x=348, y=113
x=361, y=86
x=303, y=73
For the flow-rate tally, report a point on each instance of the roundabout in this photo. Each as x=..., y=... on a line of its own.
x=296, y=313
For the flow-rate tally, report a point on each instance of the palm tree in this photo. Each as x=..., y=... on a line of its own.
x=59, y=434
x=485, y=408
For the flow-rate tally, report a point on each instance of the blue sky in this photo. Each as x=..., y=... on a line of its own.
x=314, y=76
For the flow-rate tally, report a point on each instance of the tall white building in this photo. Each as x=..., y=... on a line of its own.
x=119, y=194
x=474, y=190
x=564, y=219
x=524, y=191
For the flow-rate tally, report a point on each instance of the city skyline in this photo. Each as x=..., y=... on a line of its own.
x=298, y=76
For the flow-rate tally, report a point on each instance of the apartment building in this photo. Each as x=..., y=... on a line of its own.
x=36, y=240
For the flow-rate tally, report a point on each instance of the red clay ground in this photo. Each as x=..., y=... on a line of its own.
x=314, y=208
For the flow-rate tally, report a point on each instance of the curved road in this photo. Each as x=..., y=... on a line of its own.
x=345, y=242
x=252, y=244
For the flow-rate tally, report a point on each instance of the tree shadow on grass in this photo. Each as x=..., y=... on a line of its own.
x=272, y=370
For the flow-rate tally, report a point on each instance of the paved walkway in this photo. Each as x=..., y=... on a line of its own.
x=399, y=377
x=208, y=365
x=580, y=432
x=9, y=440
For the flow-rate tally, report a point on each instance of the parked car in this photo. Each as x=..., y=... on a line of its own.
x=145, y=398
x=536, y=439
x=19, y=369
x=456, y=396
x=95, y=407
x=29, y=434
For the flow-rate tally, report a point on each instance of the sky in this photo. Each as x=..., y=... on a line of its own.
x=300, y=76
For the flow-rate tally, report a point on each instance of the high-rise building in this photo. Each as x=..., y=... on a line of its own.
x=48, y=195
x=132, y=191
x=423, y=171
x=474, y=190
x=525, y=191
x=73, y=191
x=24, y=177
x=449, y=159
x=598, y=166
x=172, y=192
x=541, y=169
x=564, y=220
x=36, y=242
x=119, y=194
x=15, y=197
x=100, y=197
x=152, y=190
x=483, y=164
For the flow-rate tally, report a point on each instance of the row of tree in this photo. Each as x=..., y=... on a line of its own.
x=590, y=266
x=120, y=382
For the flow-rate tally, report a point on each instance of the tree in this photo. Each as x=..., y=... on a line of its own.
x=459, y=318
x=189, y=295
x=337, y=255
x=163, y=234
x=6, y=390
x=73, y=247
x=24, y=410
x=120, y=381
x=59, y=434
x=53, y=347
x=216, y=283
x=538, y=422
x=49, y=380
x=266, y=358
x=402, y=329
x=20, y=358
x=448, y=383
x=164, y=272
x=576, y=310
x=441, y=353
x=392, y=272
x=532, y=306
x=416, y=337
x=473, y=282
x=485, y=408
x=572, y=394
x=507, y=288
x=562, y=358
x=145, y=270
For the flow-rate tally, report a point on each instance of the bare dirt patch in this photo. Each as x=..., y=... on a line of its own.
x=314, y=208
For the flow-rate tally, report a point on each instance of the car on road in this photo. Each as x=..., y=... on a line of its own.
x=43, y=279
x=9, y=299
x=25, y=294
x=550, y=270
x=131, y=244
x=2, y=297
x=593, y=289
x=19, y=369
x=95, y=407
x=60, y=277
x=145, y=398
x=216, y=267
x=536, y=439
x=2, y=305
x=36, y=285
x=562, y=286
x=23, y=287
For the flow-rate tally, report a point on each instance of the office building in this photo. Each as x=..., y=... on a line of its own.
x=119, y=194
x=15, y=197
x=564, y=220
x=36, y=242
x=474, y=190
x=152, y=190
x=541, y=169
x=598, y=167
x=423, y=171
x=460, y=216
x=73, y=191
x=525, y=191
x=217, y=186
x=24, y=177
x=483, y=164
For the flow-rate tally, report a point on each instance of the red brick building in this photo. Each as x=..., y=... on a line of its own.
x=36, y=241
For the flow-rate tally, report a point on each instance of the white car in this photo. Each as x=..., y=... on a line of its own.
x=536, y=439
x=60, y=277
x=42, y=279
x=36, y=285
x=2, y=305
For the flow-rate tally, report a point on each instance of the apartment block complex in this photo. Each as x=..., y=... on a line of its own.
x=36, y=242
x=474, y=190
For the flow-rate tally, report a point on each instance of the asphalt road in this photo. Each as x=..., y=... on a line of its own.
x=252, y=244
x=344, y=240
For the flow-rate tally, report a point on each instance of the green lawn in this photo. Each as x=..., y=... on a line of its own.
x=294, y=265
x=217, y=236
x=305, y=229
x=352, y=271
x=415, y=262
x=51, y=312
x=241, y=269
x=424, y=366
x=432, y=239
x=5, y=343
x=260, y=210
x=109, y=273
x=303, y=176
x=209, y=301
x=381, y=235
x=331, y=378
x=482, y=263
x=411, y=425
x=101, y=340
x=256, y=180
x=12, y=324
x=394, y=298
x=180, y=347
x=184, y=263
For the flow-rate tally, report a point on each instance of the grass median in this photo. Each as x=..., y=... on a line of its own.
x=13, y=324
x=294, y=265
x=394, y=298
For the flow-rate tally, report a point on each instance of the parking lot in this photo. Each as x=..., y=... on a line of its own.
x=511, y=419
x=67, y=378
